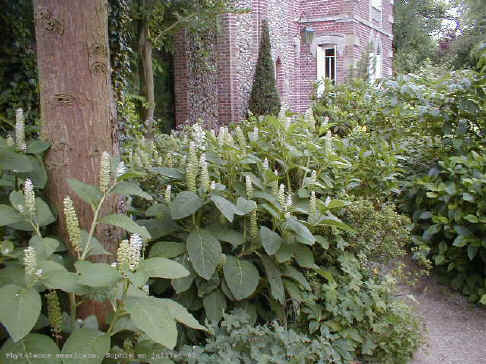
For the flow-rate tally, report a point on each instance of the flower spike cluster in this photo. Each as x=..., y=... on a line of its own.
x=20, y=130
x=105, y=172
x=72, y=224
x=29, y=197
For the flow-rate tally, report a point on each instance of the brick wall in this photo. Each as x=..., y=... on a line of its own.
x=346, y=23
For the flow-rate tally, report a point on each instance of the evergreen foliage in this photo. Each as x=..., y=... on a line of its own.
x=264, y=98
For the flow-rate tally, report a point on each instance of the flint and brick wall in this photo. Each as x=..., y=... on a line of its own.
x=221, y=96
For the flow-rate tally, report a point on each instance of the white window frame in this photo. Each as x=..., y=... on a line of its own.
x=321, y=65
x=376, y=5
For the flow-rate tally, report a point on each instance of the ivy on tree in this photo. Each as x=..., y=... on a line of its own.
x=264, y=98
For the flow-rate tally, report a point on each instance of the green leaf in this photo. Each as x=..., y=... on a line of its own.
x=9, y=215
x=97, y=275
x=169, y=172
x=185, y=204
x=44, y=247
x=180, y=314
x=88, y=193
x=167, y=249
x=12, y=161
x=42, y=345
x=471, y=218
x=297, y=276
x=270, y=240
x=91, y=346
x=183, y=284
x=204, y=252
x=43, y=215
x=130, y=189
x=127, y=224
x=233, y=237
x=245, y=206
x=160, y=227
x=215, y=305
x=284, y=254
x=19, y=310
x=274, y=277
x=55, y=276
x=303, y=233
x=163, y=268
x=37, y=147
x=467, y=197
x=472, y=251
x=38, y=174
x=227, y=208
x=95, y=247
x=152, y=316
x=241, y=276
x=158, y=210
x=304, y=256
x=431, y=231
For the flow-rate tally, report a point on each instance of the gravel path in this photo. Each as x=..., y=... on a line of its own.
x=456, y=329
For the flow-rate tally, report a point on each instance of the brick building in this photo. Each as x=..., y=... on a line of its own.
x=311, y=39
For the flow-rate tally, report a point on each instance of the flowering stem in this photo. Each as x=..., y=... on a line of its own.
x=72, y=301
x=95, y=222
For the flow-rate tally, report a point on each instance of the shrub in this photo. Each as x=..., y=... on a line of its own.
x=449, y=216
x=264, y=98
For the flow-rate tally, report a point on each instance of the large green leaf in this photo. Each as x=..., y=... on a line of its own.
x=227, y=208
x=167, y=249
x=180, y=314
x=274, y=278
x=241, y=276
x=160, y=227
x=130, y=189
x=221, y=233
x=183, y=284
x=245, y=206
x=88, y=193
x=127, y=224
x=185, y=204
x=9, y=215
x=55, y=276
x=14, y=161
x=303, y=233
x=37, y=147
x=43, y=214
x=304, y=256
x=44, y=247
x=90, y=345
x=297, y=276
x=214, y=305
x=19, y=310
x=97, y=275
x=163, y=268
x=38, y=174
x=20, y=353
x=204, y=252
x=95, y=247
x=271, y=241
x=152, y=316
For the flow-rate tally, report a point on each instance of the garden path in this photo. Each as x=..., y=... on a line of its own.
x=456, y=329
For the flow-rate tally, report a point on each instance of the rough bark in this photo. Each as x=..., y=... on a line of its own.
x=77, y=113
x=147, y=77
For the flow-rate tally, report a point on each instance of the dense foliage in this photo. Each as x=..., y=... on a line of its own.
x=264, y=97
x=434, y=125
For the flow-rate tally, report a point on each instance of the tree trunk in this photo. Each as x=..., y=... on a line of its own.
x=147, y=76
x=78, y=117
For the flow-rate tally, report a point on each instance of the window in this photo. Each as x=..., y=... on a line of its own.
x=375, y=65
x=376, y=11
x=326, y=65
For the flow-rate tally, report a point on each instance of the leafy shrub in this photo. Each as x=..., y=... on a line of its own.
x=449, y=218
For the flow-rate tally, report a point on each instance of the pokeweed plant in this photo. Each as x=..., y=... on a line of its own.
x=35, y=280
x=252, y=213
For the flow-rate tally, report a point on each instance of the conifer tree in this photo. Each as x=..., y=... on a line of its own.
x=264, y=98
